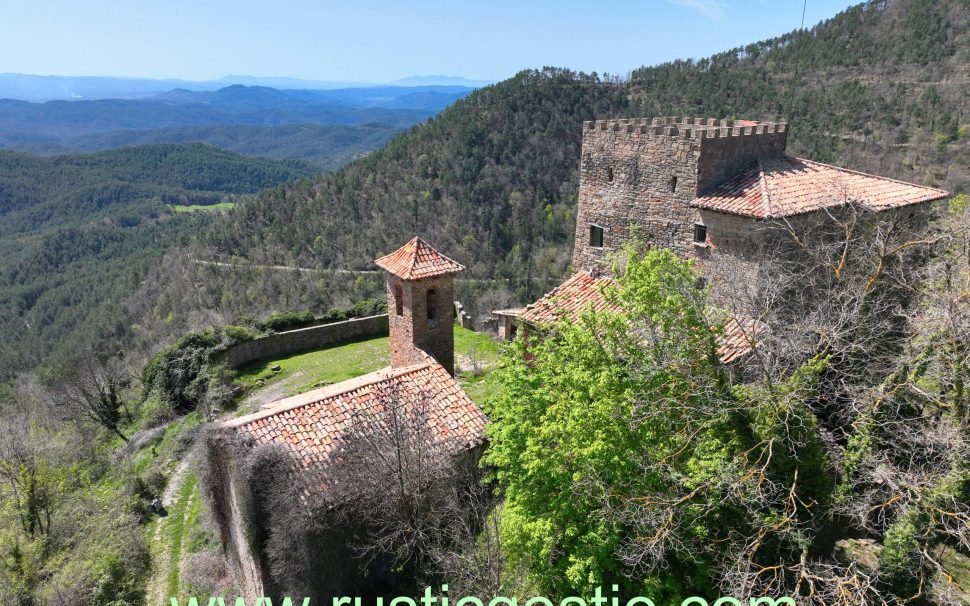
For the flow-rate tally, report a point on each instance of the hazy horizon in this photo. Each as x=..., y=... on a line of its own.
x=371, y=43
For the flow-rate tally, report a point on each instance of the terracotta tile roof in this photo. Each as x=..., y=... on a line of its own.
x=582, y=291
x=416, y=260
x=738, y=340
x=569, y=299
x=312, y=426
x=785, y=186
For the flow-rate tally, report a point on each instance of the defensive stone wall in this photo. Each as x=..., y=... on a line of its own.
x=302, y=339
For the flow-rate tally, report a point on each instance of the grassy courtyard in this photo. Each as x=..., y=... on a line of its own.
x=475, y=357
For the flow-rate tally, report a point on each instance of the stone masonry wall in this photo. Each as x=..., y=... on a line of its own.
x=646, y=173
x=412, y=331
x=302, y=339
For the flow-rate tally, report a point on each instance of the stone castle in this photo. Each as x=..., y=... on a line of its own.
x=698, y=186
x=648, y=172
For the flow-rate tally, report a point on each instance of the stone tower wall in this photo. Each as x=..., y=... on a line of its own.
x=645, y=173
x=412, y=332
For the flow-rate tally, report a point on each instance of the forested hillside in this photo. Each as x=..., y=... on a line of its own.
x=326, y=146
x=492, y=180
x=78, y=233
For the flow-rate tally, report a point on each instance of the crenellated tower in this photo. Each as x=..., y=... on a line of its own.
x=646, y=172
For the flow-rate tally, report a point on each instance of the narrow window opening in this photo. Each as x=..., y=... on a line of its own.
x=398, y=301
x=609, y=174
x=700, y=233
x=673, y=184
x=432, y=305
x=596, y=236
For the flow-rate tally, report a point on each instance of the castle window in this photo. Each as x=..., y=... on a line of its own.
x=596, y=236
x=609, y=174
x=700, y=233
x=673, y=184
x=398, y=300
x=432, y=304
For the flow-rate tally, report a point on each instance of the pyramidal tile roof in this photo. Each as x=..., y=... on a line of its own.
x=311, y=427
x=785, y=186
x=416, y=260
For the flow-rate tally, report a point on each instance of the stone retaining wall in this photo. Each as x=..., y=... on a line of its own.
x=302, y=339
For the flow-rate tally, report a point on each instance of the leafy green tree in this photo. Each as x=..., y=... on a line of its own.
x=595, y=405
x=626, y=456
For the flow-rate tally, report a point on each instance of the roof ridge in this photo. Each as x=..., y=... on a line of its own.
x=765, y=192
x=325, y=393
x=871, y=175
x=414, y=258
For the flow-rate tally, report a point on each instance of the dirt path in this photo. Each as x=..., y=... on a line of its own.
x=157, y=592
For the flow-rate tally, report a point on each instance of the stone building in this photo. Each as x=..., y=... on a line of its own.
x=694, y=185
x=699, y=187
x=301, y=435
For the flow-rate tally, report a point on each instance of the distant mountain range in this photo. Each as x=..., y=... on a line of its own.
x=258, y=120
x=28, y=87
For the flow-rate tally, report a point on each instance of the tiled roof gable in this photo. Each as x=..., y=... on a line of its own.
x=313, y=426
x=785, y=186
x=417, y=260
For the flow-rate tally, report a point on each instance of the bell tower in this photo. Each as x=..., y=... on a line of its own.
x=420, y=295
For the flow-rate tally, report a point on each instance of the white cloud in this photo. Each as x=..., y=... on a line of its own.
x=713, y=9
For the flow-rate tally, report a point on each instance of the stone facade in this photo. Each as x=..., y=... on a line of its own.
x=413, y=329
x=645, y=173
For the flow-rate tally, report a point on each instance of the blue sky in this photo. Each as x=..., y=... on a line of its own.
x=370, y=41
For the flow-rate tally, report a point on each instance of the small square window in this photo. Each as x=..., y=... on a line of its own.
x=700, y=233
x=596, y=236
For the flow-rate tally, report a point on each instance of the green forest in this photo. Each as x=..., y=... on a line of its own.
x=79, y=233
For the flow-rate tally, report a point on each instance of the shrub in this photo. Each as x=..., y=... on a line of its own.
x=178, y=374
x=288, y=320
x=369, y=307
x=334, y=315
x=238, y=334
x=153, y=412
x=153, y=483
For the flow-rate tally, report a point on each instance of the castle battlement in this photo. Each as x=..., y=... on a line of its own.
x=647, y=171
x=687, y=127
